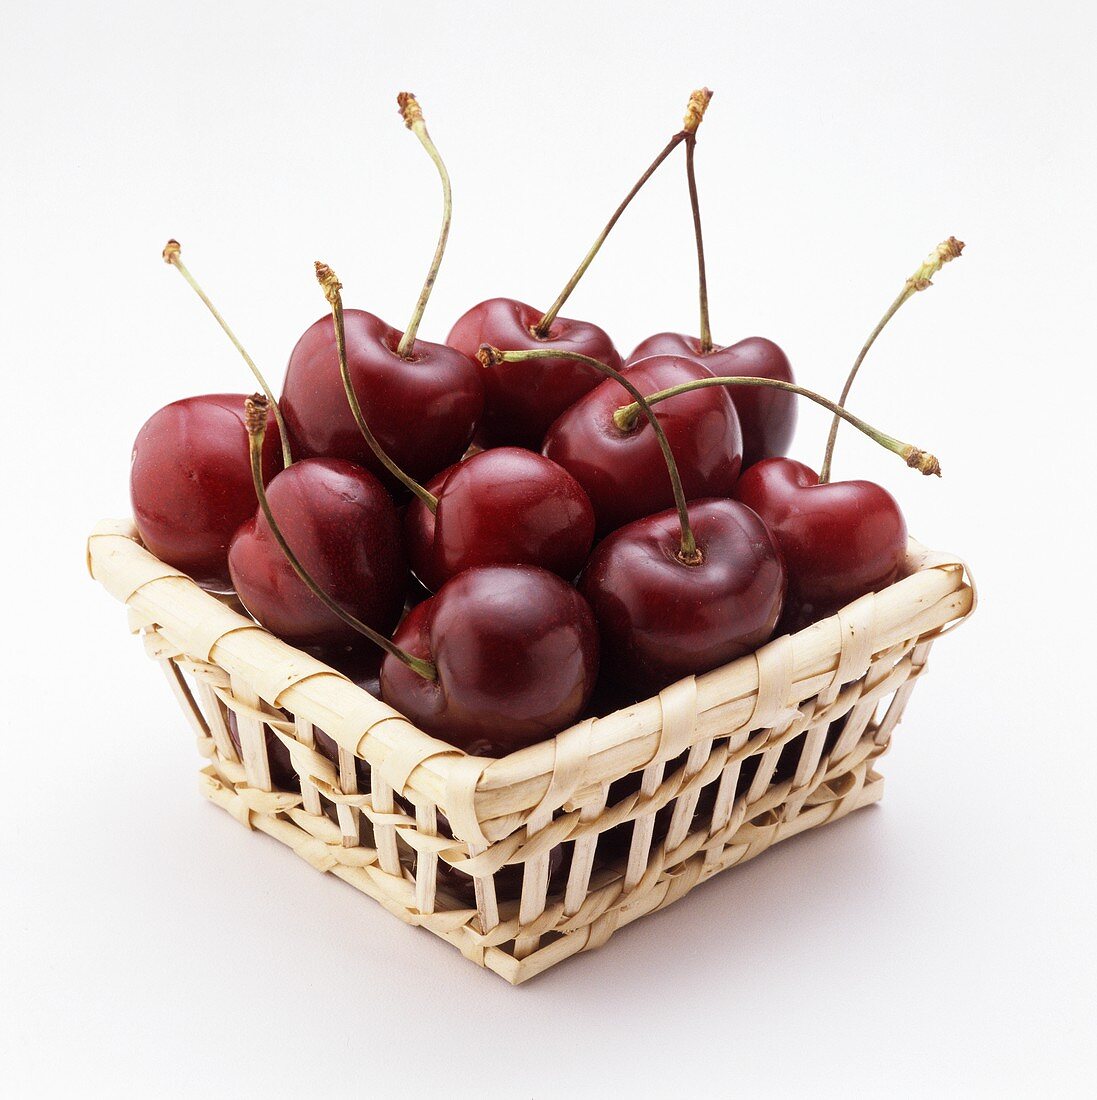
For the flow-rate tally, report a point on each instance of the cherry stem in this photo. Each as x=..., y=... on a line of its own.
x=255, y=417
x=413, y=118
x=920, y=280
x=915, y=457
x=331, y=286
x=695, y=112
x=173, y=255
x=688, y=554
x=702, y=281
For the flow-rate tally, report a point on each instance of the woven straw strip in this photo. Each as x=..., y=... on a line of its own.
x=678, y=706
x=571, y=751
x=774, y=671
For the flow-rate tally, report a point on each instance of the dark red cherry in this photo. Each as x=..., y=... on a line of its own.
x=624, y=472
x=500, y=507
x=516, y=653
x=839, y=540
x=767, y=417
x=661, y=619
x=523, y=399
x=423, y=409
x=343, y=526
x=190, y=483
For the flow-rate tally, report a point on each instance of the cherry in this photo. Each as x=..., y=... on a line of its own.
x=189, y=483
x=423, y=408
x=341, y=522
x=421, y=399
x=767, y=416
x=662, y=618
x=622, y=470
x=839, y=541
x=515, y=650
x=522, y=401
x=503, y=506
x=189, y=480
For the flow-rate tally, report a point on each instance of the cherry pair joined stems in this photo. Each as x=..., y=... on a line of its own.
x=625, y=420
x=695, y=112
x=920, y=280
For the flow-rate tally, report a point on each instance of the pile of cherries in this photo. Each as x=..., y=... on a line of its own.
x=503, y=533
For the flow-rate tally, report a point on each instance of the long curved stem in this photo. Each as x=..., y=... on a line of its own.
x=173, y=255
x=695, y=112
x=255, y=414
x=915, y=457
x=702, y=280
x=331, y=286
x=413, y=119
x=920, y=280
x=688, y=553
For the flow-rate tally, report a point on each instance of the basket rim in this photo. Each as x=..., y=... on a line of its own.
x=488, y=797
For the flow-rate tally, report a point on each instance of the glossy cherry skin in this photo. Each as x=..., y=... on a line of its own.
x=423, y=410
x=661, y=620
x=516, y=649
x=624, y=473
x=342, y=525
x=523, y=399
x=767, y=416
x=500, y=507
x=190, y=483
x=839, y=540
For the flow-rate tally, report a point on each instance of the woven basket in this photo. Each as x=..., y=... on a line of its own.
x=562, y=843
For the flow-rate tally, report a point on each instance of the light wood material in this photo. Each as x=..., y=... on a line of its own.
x=692, y=814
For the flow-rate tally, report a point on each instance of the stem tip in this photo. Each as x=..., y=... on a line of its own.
x=695, y=110
x=922, y=461
x=409, y=108
x=328, y=281
x=489, y=356
x=171, y=251
x=255, y=413
x=941, y=255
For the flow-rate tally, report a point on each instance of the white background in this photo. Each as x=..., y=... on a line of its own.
x=942, y=943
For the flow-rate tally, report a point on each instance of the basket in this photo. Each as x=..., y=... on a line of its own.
x=523, y=861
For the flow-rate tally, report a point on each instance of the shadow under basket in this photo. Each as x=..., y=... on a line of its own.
x=523, y=861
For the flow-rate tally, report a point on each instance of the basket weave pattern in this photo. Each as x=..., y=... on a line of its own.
x=564, y=842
